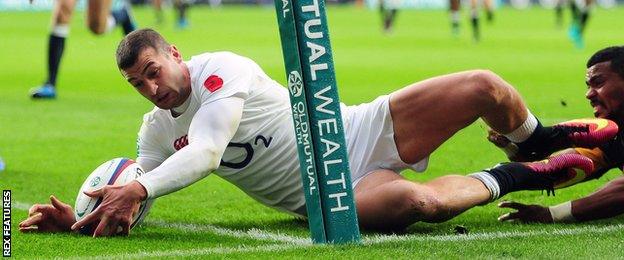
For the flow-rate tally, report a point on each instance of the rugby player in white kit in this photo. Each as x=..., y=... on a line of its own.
x=219, y=112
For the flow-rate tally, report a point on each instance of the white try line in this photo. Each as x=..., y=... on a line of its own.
x=198, y=252
x=590, y=229
x=253, y=233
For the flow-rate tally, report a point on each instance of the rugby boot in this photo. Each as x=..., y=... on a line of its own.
x=585, y=133
x=568, y=169
x=555, y=172
x=47, y=91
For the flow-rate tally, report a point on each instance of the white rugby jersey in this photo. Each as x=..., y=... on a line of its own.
x=261, y=158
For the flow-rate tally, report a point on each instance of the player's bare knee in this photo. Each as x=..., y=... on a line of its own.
x=487, y=87
x=421, y=203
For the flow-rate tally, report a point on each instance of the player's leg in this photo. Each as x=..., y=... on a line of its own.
x=454, y=9
x=489, y=10
x=575, y=31
x=101, y=19
x=181, y=7
x=584, y=14
x=427, y=113
x=157, y=4
x=559, y=12
x=474, y=19
x=387, y=201
x=61, y=17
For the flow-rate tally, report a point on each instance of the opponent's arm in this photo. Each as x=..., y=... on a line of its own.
x=604, y=203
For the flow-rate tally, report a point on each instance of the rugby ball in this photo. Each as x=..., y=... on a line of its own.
x=117, y=171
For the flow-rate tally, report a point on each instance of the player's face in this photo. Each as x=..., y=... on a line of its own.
x=162, y=78
x=605, y=91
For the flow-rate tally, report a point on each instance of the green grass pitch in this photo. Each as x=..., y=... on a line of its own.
x=51, y=146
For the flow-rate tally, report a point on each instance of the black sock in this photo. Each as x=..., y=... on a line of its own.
x=475, y=28
x=576, y=13
x=559, y=14
x=182, y=11
x=516, y=176
x=389, y=18
x=583, y=19
x=122, y=17
x=56, y=45
x=543, y=141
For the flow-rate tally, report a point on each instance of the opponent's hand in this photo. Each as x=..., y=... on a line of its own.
x=525, y=213
x=55, y=217
x=115, y=213
x=497, y=139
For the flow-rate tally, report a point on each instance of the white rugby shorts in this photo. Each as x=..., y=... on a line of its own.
x=369, y=134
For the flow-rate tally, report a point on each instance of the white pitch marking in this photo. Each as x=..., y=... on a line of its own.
x=494, y=235
x=199, y=252
x=20, y=205
x=253, y=233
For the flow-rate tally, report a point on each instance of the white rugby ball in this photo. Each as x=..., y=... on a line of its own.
x=117, y=171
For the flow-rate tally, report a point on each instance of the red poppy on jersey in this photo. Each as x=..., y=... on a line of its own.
x=213, y=83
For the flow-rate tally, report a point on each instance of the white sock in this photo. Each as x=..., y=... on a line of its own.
x=60, y=30
x=524, y=131
x=110, y=23
x=455, y=16
x=490, y=183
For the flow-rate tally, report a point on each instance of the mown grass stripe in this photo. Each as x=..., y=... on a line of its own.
x=374, y=239
x=369, y=240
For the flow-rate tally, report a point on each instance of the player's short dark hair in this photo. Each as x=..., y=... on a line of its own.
x=614, y=54
x=131, y=46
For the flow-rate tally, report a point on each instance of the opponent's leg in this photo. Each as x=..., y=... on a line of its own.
x=61, y=17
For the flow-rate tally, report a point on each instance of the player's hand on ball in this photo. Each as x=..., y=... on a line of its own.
x=54, y=217
x=115, y=213
x=525, y=213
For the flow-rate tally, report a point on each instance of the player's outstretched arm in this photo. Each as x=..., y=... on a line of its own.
x=604, y=203
x=54, y=217
x=211, y=129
